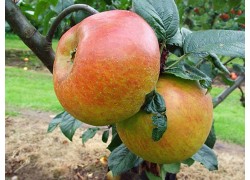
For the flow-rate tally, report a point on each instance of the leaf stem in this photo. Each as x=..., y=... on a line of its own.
x=177, y=61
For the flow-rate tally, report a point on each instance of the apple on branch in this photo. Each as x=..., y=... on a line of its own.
x=105, y=66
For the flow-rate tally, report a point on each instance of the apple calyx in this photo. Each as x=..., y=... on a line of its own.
x=72, y=55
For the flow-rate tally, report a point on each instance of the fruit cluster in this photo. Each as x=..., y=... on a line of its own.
x=104, y=68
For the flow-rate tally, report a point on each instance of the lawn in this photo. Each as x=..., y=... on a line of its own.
x=12, y=41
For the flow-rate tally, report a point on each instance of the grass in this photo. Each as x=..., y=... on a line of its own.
x=229, y=118
x=12, y=41
x=29, y=89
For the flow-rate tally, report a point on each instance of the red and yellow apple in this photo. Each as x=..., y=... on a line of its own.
x=104, y=67
x=189, y=120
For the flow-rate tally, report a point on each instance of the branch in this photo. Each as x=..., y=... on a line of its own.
x=64, y=13
x=226, y=92
x=29, y=34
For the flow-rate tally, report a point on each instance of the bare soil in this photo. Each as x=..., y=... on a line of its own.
x=32, y=153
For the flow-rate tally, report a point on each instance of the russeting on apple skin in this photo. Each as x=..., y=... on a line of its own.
x=105, y=66
x=189, y=120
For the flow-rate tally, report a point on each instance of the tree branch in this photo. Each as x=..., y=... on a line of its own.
x=29, y=34
x=217, y=100
x=64, y=13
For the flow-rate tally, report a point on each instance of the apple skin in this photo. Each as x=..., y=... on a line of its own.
x=189, y=120
x=116, y=63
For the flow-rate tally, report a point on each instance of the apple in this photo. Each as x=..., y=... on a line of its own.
x=233, y=76
x=189, y=120
x=224, y=16
x=104, y=67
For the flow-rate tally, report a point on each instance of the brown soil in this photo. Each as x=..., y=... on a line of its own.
x=32, y=153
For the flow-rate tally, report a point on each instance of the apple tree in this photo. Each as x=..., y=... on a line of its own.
x=186, y=54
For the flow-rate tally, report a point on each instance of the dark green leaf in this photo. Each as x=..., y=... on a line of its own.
x=105, y=136
x=61, y=5
x=69, y=125
x=220, y=5
x=173, y=168
x=211, y=139
x=188, y=161
x=151, y=176
x=185, y=71
x=90, y=133
x=160, y=123
x=221, y=42
x=162, y=15
x=239, y=69
x=115, y=142
x=227, y=80
x=207, y=157
x=121, y=160
x=154, y=103
x=176, y=39
x=56, y=121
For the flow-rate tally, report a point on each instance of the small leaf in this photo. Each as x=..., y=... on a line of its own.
x=221, y=42
x=162, y=15
x=115, y=142
x=154, y=103
x=69, y=125
x=238, y=69
x=211, y=139
x=90, y=133
x=55, y=121
x=160, y=121
x=207, y=157
x=105, y=136
x=151, y=176
x=121, y=160
x=173, y=168
x=188, y=161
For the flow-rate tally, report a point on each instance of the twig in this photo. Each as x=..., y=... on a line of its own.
x=177, y=61
x=226, y=92
x=64, y=13
x=229, y=60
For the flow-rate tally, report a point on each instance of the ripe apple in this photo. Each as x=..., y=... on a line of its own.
x=224, y=16
x=189, y=120
x=233, y=76
x=105, y=65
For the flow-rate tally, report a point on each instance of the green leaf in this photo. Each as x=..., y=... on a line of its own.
x=90, y=133
x=115, y=142
x=55, y=121
x=207, y=157
x=155, y=104
x=105, y=136
x=233, y=3
x=40, y=7
x=151, y=176
x=69, y=125
x=211, y=139
x=160, y=123
x=185, y=71
x=46, y=21
x=238, y=69
x=221, y=42
x=218, y=64
x=173, y=168
x=121, y=160
x=162, y=16
x=188, y=161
